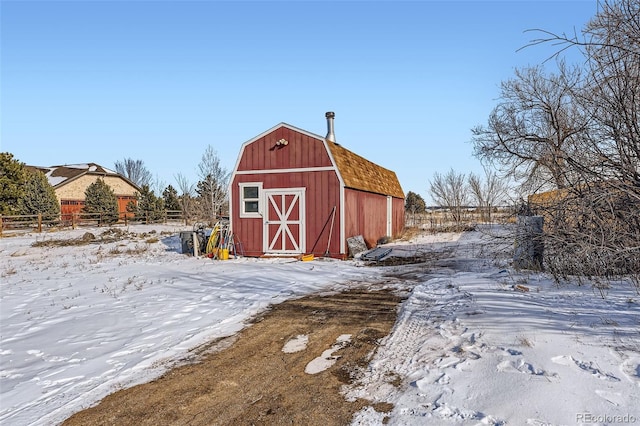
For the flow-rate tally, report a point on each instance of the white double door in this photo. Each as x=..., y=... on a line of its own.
x=284, y=224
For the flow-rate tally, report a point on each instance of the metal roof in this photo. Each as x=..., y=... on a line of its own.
x=61, y=175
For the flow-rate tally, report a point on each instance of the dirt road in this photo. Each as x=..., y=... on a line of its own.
x=253, y=381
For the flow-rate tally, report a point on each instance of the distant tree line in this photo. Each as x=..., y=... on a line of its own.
x=455, y=192
x=27, y=192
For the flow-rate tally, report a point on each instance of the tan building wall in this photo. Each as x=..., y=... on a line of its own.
x=75, y=189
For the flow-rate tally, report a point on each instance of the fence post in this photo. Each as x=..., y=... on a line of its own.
x=1, y=226
x=73, y=220
x=146, y=217
x=528, y=250
x=39, y=222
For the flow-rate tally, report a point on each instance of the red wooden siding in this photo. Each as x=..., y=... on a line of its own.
x=322, y=193
x=397, y=215
x=302, y=151
x=277, y=166
x=367, y=215
x=322, y=187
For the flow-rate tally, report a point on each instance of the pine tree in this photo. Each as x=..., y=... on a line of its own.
x=149, y=206
x=100, y=198
x=170, y=197
x=39, y=197
x=12, y=180
x=414, y=203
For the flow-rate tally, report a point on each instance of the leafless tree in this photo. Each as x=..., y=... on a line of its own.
x=593, y=227
x=134, y=170
x=610, y=94
x=158, y=185
x=614, y=92
x=187, y=190
x=487, y=193
x=450, y=191
x=213, y=185
x=534, y=128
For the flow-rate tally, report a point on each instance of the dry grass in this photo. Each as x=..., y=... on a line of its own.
x=109, y=236
x=524, y=341
x=252, y=381
x=9, y=271
x=409, y=233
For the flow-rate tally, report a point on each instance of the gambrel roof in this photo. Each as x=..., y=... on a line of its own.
x=355, y=171
x=359, y=173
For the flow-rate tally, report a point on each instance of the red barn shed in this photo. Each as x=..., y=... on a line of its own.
x=294, y=192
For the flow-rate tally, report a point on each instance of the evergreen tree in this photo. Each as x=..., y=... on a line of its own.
x=414, y=203
x=39, y=197
x=170, y=197
x=149, y=206
x=12, y=180
x=100, y=198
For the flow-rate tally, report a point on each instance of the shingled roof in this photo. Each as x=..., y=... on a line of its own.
x=61, y=175
x=359, y=173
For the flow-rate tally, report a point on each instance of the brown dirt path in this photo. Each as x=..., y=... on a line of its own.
x=253, y=382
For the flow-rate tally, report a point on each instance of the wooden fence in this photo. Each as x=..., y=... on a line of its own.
x=38, y=222
x=442, y=220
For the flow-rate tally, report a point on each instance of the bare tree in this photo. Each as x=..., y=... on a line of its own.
x=134, y=170
x=614, y=95
x=611, y=93
x=187, y=190
x=593, y=228
x=487, y=193
x=213, y=185
x=450, y=191
x=534, y=128
x=158, y=185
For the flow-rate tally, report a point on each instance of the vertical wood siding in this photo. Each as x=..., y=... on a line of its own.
x=322, y=188
x=366, y=215
x=398, y=216
x=302, y=151
x=322, y=193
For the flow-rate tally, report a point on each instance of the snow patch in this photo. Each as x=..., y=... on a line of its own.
x=297, y=344
x=327, y=359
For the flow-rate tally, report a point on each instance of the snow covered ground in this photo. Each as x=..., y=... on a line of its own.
x=475, y=343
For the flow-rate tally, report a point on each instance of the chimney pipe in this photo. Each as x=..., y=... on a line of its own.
x=331, y=137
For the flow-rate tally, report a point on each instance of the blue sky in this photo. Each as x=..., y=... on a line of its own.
x=100, y=81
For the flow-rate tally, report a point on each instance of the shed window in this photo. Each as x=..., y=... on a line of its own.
x=250, y=199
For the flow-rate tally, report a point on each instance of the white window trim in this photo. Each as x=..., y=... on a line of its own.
x=243, y=213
